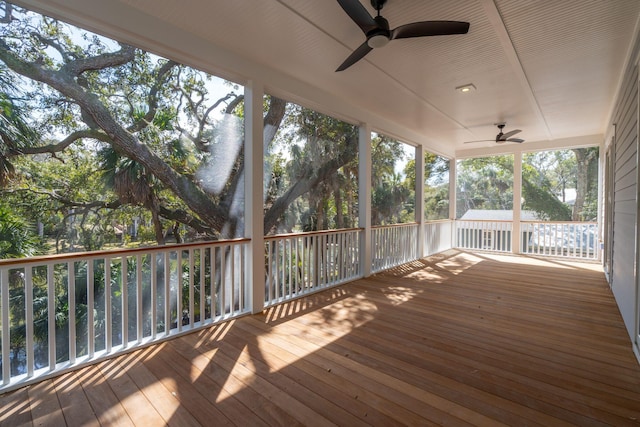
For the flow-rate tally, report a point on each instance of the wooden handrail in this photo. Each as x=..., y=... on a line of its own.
x=394, y=225
x=310, y=233
x=117, y=252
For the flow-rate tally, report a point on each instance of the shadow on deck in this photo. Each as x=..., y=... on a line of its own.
x=458, y=338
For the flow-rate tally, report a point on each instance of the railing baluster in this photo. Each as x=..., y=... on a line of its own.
x=179, y=290
x=167, y=293
x=277, y=267
x=51, y=307
x=289, y=244
x=202, y=285
x=242, y=273
x=223, y=282
x=232, y=264
x=124, y=293
x=268, y=244
x=4, y=306
x=191, y=288
x=71, y=295
x=28, y=302
x=154, y=294
x=139, y=312
x=297, y=266
x=91, y=329
x=107, y=306
x=214, y=282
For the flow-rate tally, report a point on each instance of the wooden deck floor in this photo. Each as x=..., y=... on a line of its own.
x=455, y=339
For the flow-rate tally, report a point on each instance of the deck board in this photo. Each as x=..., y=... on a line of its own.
x=458, y=338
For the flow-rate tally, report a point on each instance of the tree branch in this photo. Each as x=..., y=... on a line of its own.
x=106, y=60
x=121, y=139
x=61, y=145
x=152, y=97
x=185, y=218
x=305, y=183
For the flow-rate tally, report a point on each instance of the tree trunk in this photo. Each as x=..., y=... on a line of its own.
x=584, y=156
x=337, y=194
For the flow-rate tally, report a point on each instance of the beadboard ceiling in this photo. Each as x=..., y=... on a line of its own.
x=550, y=68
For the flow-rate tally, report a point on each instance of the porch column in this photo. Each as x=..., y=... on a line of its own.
x=452, y=201
x=420, y=198
x=364, y=197
x=602, y=156
x=253, y=184
x=517, y=203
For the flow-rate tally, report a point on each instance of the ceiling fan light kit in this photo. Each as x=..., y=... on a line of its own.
x=378, y=41
x=377, y=32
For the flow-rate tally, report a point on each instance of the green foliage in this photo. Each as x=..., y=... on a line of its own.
x=393, y=192
x=309, y=145
x=549, y=177
x=436, y=191
x=484, y=183
x=17, y=239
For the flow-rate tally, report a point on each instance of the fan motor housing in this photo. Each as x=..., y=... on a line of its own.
x=377, y=4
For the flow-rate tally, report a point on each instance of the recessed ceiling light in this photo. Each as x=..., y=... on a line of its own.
x=466, y=88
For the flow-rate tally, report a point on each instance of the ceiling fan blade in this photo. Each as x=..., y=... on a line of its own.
x=481, y=140
x=518, y=140
x=430, y=28
x=510, y=133
x=356, y=56
x=358, y=14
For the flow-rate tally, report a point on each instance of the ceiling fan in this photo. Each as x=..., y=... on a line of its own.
x=377, y=29
x=502, y=137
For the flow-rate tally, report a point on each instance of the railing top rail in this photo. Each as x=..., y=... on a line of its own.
x=310, y=233
x=484, y=220
x=404, y=224
x=562, y=222
x=116, y=252
x=435, y=221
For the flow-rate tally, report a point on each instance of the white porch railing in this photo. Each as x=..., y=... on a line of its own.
x=62, y=311
x=484, y=235
x=561, y=239
x=298, y=264
x=437, y=236
x=393, y=245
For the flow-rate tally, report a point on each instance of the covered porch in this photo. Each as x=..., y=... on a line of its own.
x=457, y=338
x=448, y=321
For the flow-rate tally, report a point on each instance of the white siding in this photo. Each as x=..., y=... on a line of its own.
x=625, y=218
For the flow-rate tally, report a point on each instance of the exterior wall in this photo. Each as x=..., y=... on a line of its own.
x=625, y=208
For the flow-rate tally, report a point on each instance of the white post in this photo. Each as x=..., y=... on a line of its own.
x=601, y=171
x=254, y=183
x=419, y=202
x=452, y=202
x=364, y=196
x=517, y=202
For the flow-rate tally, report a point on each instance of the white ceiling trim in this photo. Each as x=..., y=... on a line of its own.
x=493, y=15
